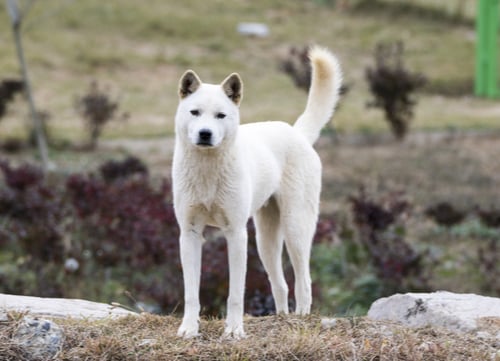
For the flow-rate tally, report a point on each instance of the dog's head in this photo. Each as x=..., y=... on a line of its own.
x=208, y=114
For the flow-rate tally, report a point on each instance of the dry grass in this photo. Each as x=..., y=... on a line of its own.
x=150, y=337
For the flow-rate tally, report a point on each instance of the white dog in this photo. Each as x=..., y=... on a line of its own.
x=224, y=173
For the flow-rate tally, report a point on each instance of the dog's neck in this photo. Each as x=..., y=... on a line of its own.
x=208, y=174
x=209, y=162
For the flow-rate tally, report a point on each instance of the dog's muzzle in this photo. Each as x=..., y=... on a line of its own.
x=205, y=138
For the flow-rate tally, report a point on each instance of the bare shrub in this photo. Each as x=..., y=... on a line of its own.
x=97, y=108
x=8, y=89
x=381, y=230
x=392, y=86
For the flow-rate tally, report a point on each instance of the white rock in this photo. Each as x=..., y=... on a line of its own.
x=456, y=312
x=60, y=307
x=71, y=265
x=253, y=29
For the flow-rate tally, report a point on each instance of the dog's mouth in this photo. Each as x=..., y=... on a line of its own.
x=204, y=144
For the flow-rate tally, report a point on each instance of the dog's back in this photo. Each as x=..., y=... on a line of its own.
x=277, y=153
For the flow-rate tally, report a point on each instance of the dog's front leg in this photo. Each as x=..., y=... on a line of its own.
x=191, y=242
x=237, y=254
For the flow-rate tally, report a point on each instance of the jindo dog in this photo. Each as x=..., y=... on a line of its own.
x=224, y=173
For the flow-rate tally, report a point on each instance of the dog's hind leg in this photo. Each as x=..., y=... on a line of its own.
x=270, y=247
x=298, y=219
x=298, y=237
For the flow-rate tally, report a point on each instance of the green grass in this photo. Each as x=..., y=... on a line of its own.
x=140, y=51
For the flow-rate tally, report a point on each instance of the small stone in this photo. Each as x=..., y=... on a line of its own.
x=253, y=29
x=46, y=326
x=147, y=342
x=483, y=335
x=71, y=265
x=41, y=339
x=4, y=317
x=428, y=347
x=33, y=323
x=327, y=323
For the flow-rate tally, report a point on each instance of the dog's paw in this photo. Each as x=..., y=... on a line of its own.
x=234, y=332
x=188, y=330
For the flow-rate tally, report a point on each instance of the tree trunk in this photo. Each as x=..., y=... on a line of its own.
x=37, y=125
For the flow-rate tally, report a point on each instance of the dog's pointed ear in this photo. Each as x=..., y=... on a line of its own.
x=188, y=84
x=233, y=87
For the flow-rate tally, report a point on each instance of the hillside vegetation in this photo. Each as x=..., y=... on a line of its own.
x=140, y=51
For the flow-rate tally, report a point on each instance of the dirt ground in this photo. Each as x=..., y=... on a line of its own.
x=463, y=169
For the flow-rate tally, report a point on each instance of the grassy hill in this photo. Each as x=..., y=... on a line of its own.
x=139, y=51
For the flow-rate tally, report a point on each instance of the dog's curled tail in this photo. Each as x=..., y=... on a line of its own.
x=326, y=79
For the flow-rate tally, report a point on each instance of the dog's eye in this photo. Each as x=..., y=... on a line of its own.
x=195, y=112
x=220, y=115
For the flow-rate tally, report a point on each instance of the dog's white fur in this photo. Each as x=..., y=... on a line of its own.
x=224, y=173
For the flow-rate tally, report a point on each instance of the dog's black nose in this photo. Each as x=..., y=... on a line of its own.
x=205, y=137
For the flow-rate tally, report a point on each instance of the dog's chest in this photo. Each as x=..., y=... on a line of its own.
x=207, y=195
x=209, y=187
